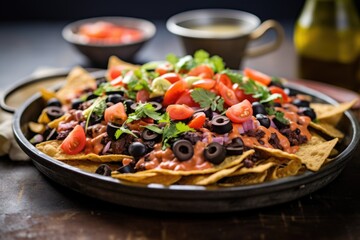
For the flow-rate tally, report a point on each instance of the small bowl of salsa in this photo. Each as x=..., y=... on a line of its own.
x=101, y=37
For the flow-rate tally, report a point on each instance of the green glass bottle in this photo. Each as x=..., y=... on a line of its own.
x=327, y=41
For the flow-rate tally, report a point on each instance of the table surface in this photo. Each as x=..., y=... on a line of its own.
x=32, y=206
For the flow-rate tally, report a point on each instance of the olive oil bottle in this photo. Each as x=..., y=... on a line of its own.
x=327, y=41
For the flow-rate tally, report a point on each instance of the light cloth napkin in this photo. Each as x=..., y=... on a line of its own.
x=8, y=144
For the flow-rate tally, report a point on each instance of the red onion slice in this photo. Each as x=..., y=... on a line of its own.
x=107, y=147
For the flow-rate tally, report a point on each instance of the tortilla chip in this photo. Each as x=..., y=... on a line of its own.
x=276, y=152
x=147, y=178
x=77, y=81
x=328, y=129
x=314, y=156
x=213, y=178
x=291, y=169
x=256, y=169
x=55, y=123
x=115, y=61
x=89, y=166
x=245, y=179
x=47, y=94
x=227, y=163
x=192, y=179
x=331, y=114
x=52, y=149
x=43, y=118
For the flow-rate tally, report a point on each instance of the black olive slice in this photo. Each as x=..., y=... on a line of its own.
x=126, y=169
x=183, y=150
x=263, y=120
x=236, y=147
x=104, y=170
x=258, y=108
x=91, y=96
x=158, y=99
x=115, y=98
x=215, y=153
x=278, y=124
x=221, y=124
x=94, y=119
x=308, y=112
x=111, y=129
x=128, y=103
x=157, y=106
x=208, y=112
x=54, y=112
x=149, y=135
x=53, y=102
x=137, y=149
x=52, y=135
x=115, y=92
x=301, y=103
x=75, y=103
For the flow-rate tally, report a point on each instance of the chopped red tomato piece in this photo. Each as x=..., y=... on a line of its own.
x=240, y=112
x=115, y=72
x=142, y=96
x=174, y=92
x=198, y=120
x=257, y=76
x=116, y=113
x=284, y=97
x=227, y=94
x=224, y=79
x=241, y=95
x=171, y=77
x=117, y=82
x=186, y=99
x=203, y=71
x=163, y=68
x=75, y=142
x=179, y=111
x=204, y=83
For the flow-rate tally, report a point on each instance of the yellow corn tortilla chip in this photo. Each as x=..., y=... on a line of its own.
x=291, y=169
x=314, y=156
x=245, y=179
x=276, y=152
x=77, y=80
x=115, y=61
x=213, y=178
x=55, y=123
x=331, y=114
x=52, y=149
x=89, y=166
x=227, y=163
x=256, y=169
x=192, y=179
x=43, y=118
x=47, y=94
x=328, y=129
x=147, y=178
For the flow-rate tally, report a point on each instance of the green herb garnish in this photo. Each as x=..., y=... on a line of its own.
x=280, y=116
x=98, y=108
x=208, y=99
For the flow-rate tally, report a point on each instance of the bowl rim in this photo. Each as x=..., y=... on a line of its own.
x=172, y=24
x=70, y=36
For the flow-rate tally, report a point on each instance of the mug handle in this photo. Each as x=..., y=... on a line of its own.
x=268, y=47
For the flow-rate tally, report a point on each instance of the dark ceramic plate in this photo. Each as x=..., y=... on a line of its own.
x=179, y=198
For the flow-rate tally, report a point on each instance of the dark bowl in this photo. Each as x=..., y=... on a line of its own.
x=99, y=53
x=180, y=198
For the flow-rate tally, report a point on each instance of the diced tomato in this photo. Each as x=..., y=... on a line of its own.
x=198, y=121
x=117, y=82
x=116, y=113
x=179, y=111
x=240, y=112
x=227, y=94
x=142, y=96
x=204, y=83
x=75, y=142
x=241, y=95
x=163, y=68
x=285, y=98
x=203, y=71
x=115, y=72
x=174, y=92
x=224, y=79
x=257, y=76
x=171, y=77
x=186, y=99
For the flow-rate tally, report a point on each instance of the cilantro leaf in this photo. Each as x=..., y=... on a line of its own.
x=154, y=128
x=235, y=77
x=144, y=110
x=173, y=130
x=207, y=99
x=105, y=87
x=122, y=130
x=172, y=58
x=98, y=108
x=259, y=91
x=280, y=116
